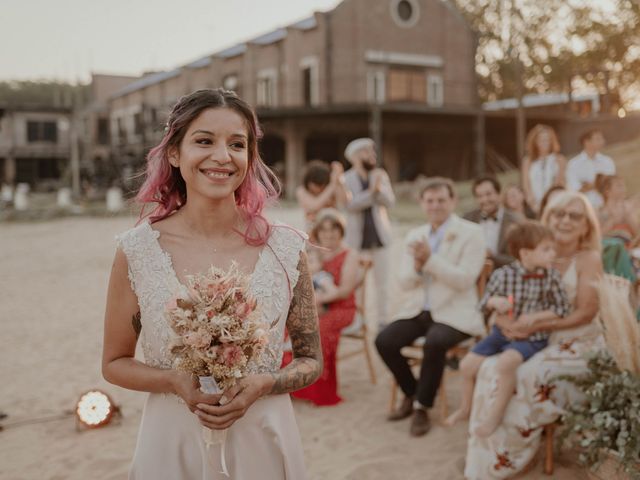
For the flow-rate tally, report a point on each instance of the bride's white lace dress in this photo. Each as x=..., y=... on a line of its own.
x=263, y=444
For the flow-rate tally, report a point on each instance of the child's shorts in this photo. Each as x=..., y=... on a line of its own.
x=496, y=342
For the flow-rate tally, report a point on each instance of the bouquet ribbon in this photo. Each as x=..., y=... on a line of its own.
x=214, y=437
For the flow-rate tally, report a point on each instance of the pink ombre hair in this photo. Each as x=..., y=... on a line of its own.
x=165, y=186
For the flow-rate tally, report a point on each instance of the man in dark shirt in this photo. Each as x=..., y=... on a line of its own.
x=494, y=219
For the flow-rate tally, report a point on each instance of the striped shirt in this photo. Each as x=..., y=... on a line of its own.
x=531, y=292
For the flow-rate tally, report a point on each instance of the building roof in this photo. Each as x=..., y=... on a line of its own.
x=147, y=81
x=233, y=51
x=271, y=37
x=542, y=100
x=200, y=63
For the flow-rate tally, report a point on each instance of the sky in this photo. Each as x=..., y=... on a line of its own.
x=69, y=39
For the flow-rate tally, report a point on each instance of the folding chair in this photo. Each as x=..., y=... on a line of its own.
x=413, y=353
x=358, y=330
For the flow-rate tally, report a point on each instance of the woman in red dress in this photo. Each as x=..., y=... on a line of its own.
x=337, y=306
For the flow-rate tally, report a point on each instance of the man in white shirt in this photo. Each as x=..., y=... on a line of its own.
x=583, y=169
x=494, y=219
x=438, y=270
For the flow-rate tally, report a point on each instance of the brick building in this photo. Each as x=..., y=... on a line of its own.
x=400, y=71
x=93, y=127
x=34, y=144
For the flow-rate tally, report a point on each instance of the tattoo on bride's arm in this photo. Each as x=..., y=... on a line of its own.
x=302, y=324
x=137, y=324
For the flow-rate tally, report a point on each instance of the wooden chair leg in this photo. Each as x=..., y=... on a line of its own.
x=548, y=442
x=442, y=396
x=394, y=392
x=367, y=354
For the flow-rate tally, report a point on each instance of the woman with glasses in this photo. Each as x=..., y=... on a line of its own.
x=539, y=400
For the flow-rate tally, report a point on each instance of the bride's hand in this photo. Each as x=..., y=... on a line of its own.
x=187, y=387
x=234, y=402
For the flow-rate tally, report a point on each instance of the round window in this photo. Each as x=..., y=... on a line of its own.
x=405, y=13
x=405, y=10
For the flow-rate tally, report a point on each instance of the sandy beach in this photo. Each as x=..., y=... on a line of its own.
x=53, y=281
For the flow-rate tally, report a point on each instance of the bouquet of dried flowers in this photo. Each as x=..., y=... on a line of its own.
x=218, y=327
x=218, y=332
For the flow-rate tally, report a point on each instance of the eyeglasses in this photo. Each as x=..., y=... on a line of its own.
x=559, y=214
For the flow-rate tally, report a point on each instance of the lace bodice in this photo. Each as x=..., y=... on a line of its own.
x=154, y=281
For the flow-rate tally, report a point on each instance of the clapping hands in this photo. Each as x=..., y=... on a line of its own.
x=421, y=251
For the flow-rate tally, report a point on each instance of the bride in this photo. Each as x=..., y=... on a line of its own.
x=210, y=186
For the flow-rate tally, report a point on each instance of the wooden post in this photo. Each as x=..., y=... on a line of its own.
x=479, y=143
x=375, y=130
x=294, y=158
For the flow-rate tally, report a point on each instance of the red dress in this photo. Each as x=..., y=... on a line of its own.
x=338, y=315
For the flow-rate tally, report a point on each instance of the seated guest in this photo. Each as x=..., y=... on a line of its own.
x=341, y=263
x=440, y=264
x=548, y=196
x=584, y=168
x=617, y=219
x=540, y=400
x=322, y=187
x=528, y=286
x=494, y=219
x=543, y=166
x=513, y=200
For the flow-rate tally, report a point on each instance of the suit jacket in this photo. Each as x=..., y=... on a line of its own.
x=362, y=199
x=502, y=257
x=448, y=278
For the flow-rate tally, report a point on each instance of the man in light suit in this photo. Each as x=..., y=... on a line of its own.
x=439, y=268
x=368, y=226
x=494, y=219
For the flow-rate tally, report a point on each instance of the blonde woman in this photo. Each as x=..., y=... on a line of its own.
x=544, y=166
x=539, y=400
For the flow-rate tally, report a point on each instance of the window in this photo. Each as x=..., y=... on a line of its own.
x=376, y=87
x=137, y=123
x=102, y=135
x=405, y=13
x=266, y=88
x=435, y=90
x=122, y=133
x=306, y=85
x=310, y=86
x=406, y=85
x=38, y=131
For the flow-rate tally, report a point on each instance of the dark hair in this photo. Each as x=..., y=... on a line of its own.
x=436, y=183
x=330, y=215
x=479, y=181
x=528, y=235
x=604, y=182
x=318, y=173
x=588, y=135
x=165, y=186
x=546, y=196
